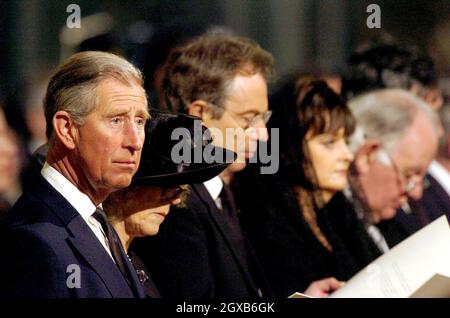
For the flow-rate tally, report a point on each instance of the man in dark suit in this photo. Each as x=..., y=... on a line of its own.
x=381, y=65
x=395, y=142
x=201, y=250
x=55, y=240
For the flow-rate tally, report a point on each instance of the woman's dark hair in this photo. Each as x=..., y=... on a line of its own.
x=305, y=108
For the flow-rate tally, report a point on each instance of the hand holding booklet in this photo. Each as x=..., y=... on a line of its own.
x=417, y=267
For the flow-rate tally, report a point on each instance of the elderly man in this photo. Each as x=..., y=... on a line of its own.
x=382, y=65
x=396, y=139
x=56, y=243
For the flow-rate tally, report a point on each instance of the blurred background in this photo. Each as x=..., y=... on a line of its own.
x=305, y=36
x=309, y=36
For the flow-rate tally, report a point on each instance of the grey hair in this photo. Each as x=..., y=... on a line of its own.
x=73, y=86
x=386, y=115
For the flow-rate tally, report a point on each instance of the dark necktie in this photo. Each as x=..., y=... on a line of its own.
x=230, y=215
x=114, y=243
x=228, y=206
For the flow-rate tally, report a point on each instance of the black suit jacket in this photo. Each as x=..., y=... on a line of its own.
x=291, y=255
x=434, y=203
x=192, y=256
x=46, y=242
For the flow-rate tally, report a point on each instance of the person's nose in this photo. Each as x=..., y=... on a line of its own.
x=134, y=137
x=259, y=132
x=403, y=199
x=417, y=192
x=347, y=154
x=166, y=208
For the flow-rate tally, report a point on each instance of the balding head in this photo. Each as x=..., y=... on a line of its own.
x=396, y=139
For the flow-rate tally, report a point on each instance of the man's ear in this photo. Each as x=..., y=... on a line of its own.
x=432, y=96
x=365, y=155
x=64, y=129
x=198, y=108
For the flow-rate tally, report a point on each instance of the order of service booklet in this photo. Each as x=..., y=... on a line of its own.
x=419, y=266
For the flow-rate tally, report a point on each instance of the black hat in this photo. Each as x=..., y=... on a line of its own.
x=178, y=150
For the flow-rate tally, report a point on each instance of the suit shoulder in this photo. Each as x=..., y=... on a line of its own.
x=30, y=209
x=194, y=205
x=31, y=220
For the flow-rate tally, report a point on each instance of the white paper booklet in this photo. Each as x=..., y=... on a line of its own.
x=299, y=295
x=417, y=267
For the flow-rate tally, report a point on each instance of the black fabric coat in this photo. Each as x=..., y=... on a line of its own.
x=192, y=256
x=434, y=203
x=291, y=256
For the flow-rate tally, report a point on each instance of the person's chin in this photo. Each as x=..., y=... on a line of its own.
x=121, y=182
x=237, y=166
x=337, y=186
x=388, y=213
x=152, y=232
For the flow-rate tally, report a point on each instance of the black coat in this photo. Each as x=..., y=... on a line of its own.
x=291, y=256
x=193, y=256
x=434, y=203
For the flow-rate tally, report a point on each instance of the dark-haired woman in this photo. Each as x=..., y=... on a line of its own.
x=300, y=223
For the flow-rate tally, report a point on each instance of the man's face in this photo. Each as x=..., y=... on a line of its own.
x=387, y=185
x=247, y=98
x=109, y=143
x=382, y=190
x=415, y=153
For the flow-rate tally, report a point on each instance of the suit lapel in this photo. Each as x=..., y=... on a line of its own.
x=222, y=227
x=214, y=212
x=95, y=254
x=84, y=241
x=437, y=193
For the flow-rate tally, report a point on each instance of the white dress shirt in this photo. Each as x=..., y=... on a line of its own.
x=214, y=187
x=442, y=175
x=80, y=201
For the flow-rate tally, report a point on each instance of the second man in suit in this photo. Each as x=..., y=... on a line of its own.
x=201, y=250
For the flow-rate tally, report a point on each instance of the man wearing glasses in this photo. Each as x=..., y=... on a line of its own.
x=200, y=251
x=396, y=139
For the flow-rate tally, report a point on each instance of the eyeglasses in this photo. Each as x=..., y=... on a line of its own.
x=405, y=181
x=251, y=122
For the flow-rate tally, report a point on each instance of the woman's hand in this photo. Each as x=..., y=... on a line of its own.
x=322, y=288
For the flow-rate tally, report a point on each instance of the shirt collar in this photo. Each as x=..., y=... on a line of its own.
x=442, y=176
x=214, y=187
x=80, y=201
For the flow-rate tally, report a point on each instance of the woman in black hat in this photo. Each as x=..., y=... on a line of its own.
x=139, y=210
